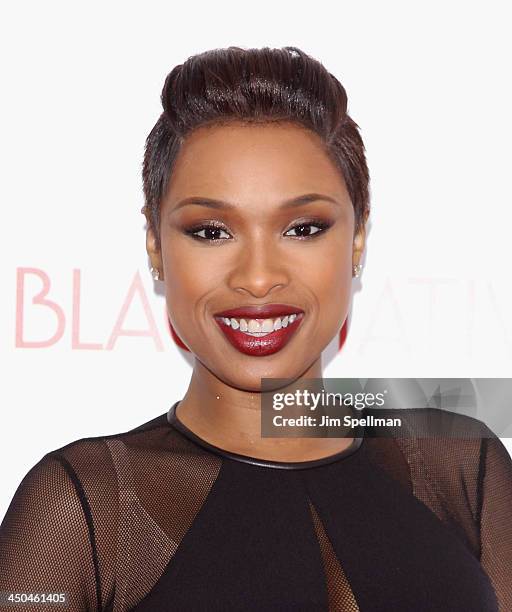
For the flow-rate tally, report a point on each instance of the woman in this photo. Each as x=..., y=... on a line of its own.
x=256, y=190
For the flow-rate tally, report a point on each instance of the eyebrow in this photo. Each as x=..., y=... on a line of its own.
x=221, y=205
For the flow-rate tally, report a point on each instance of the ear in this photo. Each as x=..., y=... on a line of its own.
x=154, y=252
x=359, y=242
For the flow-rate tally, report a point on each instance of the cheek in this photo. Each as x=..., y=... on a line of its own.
x=190, y=272
x=329, y=278
x=328, y=266
x=330, y=284
x=192, y=275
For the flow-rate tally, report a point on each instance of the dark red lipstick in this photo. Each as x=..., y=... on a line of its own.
x=267, y=344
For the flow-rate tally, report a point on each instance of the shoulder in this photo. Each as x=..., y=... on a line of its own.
x=86, y=466
x=47, y=513
x=443, y=442
x=451, y=441
x=445, y=452
x=100, y=464
x=436, y=434
x=94, y=446
x=444, y=423
x=46, y=491
x=90, y=459
x=71, y=485
x=453, y=458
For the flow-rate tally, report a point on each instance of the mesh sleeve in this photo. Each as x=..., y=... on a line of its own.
x=47, y=540
x=496, y=519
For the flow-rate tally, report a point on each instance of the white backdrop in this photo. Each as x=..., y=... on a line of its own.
x=428, y=84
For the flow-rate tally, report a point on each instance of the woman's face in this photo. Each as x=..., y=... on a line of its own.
x=248, y=248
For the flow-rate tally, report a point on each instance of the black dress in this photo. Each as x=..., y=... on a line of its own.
x=157, y=519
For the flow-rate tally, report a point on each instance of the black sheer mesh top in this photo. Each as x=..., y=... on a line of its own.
x=156, y=519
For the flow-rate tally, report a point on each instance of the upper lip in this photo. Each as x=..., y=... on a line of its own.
x=260, y=312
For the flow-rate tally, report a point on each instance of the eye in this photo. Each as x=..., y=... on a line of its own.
x=305, y=229
x=210, y=232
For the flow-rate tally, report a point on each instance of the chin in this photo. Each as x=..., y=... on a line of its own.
x=249, y=379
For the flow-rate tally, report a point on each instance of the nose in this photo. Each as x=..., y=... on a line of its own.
x=259, y=269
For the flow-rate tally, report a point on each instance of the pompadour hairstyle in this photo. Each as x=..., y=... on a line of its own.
x=253, y=85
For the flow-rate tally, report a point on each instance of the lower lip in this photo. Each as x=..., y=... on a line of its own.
x=264, y=345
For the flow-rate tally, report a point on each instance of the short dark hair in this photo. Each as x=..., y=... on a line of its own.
x=260, y=85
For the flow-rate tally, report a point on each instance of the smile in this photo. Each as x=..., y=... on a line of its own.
x=261, y=336
x=259, y=327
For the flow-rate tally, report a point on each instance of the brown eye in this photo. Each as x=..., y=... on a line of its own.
x=212, y=233
x=208, y=232
x=305, y=230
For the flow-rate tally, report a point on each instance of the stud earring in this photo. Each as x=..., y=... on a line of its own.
x=356, y=270
x=155, y=273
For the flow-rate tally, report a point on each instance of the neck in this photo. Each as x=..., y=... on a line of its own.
x=230, y=418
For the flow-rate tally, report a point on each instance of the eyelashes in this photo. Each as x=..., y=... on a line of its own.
x=209, y=229
x=212, y=231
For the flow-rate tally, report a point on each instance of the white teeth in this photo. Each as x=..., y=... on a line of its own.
x=268, y=325
x=260, y=327
x=254, y=326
